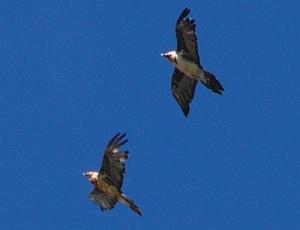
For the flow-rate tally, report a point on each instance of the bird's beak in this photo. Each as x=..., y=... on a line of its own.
x=162, y=54
x=84, y=174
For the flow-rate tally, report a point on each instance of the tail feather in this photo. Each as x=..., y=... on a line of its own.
x=130, y=203
x=212, y=83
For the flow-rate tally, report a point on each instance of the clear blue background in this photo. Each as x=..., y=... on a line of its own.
x=74, y=73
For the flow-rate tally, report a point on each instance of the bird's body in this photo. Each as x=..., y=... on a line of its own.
x=108, y=188
x=188, y=70
x=108, y=181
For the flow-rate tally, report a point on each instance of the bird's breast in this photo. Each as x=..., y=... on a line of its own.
x=108, y=189
x=188, y=67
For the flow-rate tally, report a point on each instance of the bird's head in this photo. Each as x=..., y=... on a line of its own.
x=92, y=176
x=171, y=56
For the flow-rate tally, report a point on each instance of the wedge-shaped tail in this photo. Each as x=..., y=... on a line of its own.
x=130, y=203
x=212, y=83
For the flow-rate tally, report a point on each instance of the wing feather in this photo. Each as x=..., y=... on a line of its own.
x=101, y=199
x=183, y=89
x=186, y=36
x=113, y=163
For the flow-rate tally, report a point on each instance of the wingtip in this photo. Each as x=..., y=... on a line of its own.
x=118, y=137
x=186, y=114
x=186, y=110
x=113, y=139
x=186, y=11
x=123, y=135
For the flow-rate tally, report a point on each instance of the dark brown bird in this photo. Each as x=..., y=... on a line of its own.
x=108, y=181
x=188, y=70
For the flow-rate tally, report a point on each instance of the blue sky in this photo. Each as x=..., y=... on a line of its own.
x=74, y=73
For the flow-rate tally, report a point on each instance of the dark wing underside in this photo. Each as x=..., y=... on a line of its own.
x=186, y=37
x=183, y=88
x=113, y=163
x=104, y=201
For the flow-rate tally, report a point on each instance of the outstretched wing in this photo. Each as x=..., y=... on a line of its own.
x=113, y=163
x=183, y=88
x=186, y=37
x=104, y=201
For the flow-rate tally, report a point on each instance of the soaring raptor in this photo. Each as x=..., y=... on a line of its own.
x=108, y=181
x=188, y=70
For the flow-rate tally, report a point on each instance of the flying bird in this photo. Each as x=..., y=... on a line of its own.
x=108, y=181
x=188, y=70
